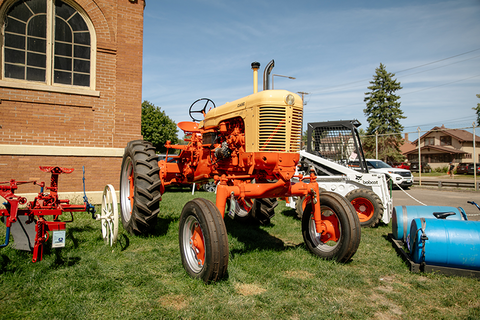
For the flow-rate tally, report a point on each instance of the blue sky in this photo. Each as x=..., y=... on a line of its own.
x=203, y=48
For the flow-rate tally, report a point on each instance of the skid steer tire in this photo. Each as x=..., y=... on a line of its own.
x=368, y=206
x=203, y=241
x=342, y=238
x=139, y=187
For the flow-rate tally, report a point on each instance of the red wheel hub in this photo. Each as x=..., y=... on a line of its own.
x=198, y=244
x=332, y=228
x=364, y=208
x=131, y=179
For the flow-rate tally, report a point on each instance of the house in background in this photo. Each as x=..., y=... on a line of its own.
x=70, y=89
x=440, y=146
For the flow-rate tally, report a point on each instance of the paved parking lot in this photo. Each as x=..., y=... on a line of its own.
x=440, y=197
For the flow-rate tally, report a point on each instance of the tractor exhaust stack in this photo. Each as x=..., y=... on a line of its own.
x=266, y=75
x=255, y=66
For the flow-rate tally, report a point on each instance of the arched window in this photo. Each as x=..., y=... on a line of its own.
x=48, y=41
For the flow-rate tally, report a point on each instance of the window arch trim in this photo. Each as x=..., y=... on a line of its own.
x=49, y=84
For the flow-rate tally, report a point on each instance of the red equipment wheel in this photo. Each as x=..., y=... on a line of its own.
x=139, y=187
x=368, y=206
x=341, y=240
x=203, y=241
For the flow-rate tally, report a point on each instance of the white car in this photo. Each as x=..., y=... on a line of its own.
x=402, y=177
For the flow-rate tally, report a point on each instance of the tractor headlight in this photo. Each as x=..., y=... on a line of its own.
x=290, y=100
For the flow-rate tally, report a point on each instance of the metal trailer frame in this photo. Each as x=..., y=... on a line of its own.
x=399, y=245
x=337, y=143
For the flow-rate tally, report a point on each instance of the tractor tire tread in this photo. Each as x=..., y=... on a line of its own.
x=143, y=216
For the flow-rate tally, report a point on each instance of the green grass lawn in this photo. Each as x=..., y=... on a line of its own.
x=271, y=275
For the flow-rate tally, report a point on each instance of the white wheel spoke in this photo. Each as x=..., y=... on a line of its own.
x=109, y=217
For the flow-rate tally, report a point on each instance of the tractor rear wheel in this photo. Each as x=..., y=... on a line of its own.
x=342, y=236
x=203, y=241
x=264, y=210
x=254, y=210
x=241, y=210
x=139, y=187
x=368, y=205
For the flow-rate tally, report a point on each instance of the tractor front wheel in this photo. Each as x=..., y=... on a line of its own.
x=139, y=187
x=203, y=241
x=342, y=236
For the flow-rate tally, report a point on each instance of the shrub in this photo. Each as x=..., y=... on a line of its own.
x=442, y=169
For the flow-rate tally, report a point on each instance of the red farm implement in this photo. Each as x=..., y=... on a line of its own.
x=31, y=222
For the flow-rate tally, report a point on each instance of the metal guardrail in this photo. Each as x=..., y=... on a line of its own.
x=451, y=184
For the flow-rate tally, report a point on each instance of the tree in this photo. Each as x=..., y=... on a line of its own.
x=157, y=127
x=383, y=116
x=477, y=111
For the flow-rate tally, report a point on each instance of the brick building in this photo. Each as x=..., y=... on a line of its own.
x=440, y=146
x=70, y=89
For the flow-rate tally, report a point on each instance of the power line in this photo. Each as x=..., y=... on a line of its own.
x=445, y=65
x=426, y=64
x=407, y=93
x=412, y=68
x=462, y=119
x=440, y=85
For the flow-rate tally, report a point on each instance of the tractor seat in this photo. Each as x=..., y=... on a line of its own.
x=188, y=126
x=443, y=215
x=56, y=170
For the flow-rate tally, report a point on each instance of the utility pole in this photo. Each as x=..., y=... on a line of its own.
x=304, y=104
x=419, y=159
x=474, y=159
x=303, y=96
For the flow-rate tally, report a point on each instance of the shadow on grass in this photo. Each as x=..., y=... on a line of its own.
x=72, y=231
x=60, y=261
x=289, y=212
x=5, y=261
x=161, y=227
x=183, y=189
x=254, y=238
x=123, y=241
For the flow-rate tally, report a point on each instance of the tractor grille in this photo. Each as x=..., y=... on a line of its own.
x=279, y=129
x=296, y=130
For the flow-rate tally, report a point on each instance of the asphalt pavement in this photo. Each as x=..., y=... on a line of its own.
x=433, y=196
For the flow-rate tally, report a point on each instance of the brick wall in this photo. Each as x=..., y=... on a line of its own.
x=107, y=120
x=99, y=171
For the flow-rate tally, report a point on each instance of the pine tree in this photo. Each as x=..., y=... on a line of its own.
x=383, y=116
x=477, y=111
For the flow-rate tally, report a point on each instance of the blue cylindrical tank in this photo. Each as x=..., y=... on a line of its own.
x=402, y=217
x=448, y=243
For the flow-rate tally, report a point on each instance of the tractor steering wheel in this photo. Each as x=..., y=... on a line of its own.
x=209, y=105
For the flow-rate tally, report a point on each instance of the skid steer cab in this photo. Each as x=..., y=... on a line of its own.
x=250, y=148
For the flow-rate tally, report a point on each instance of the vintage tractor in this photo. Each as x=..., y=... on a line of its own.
x=250, y=148
x=33, y=223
